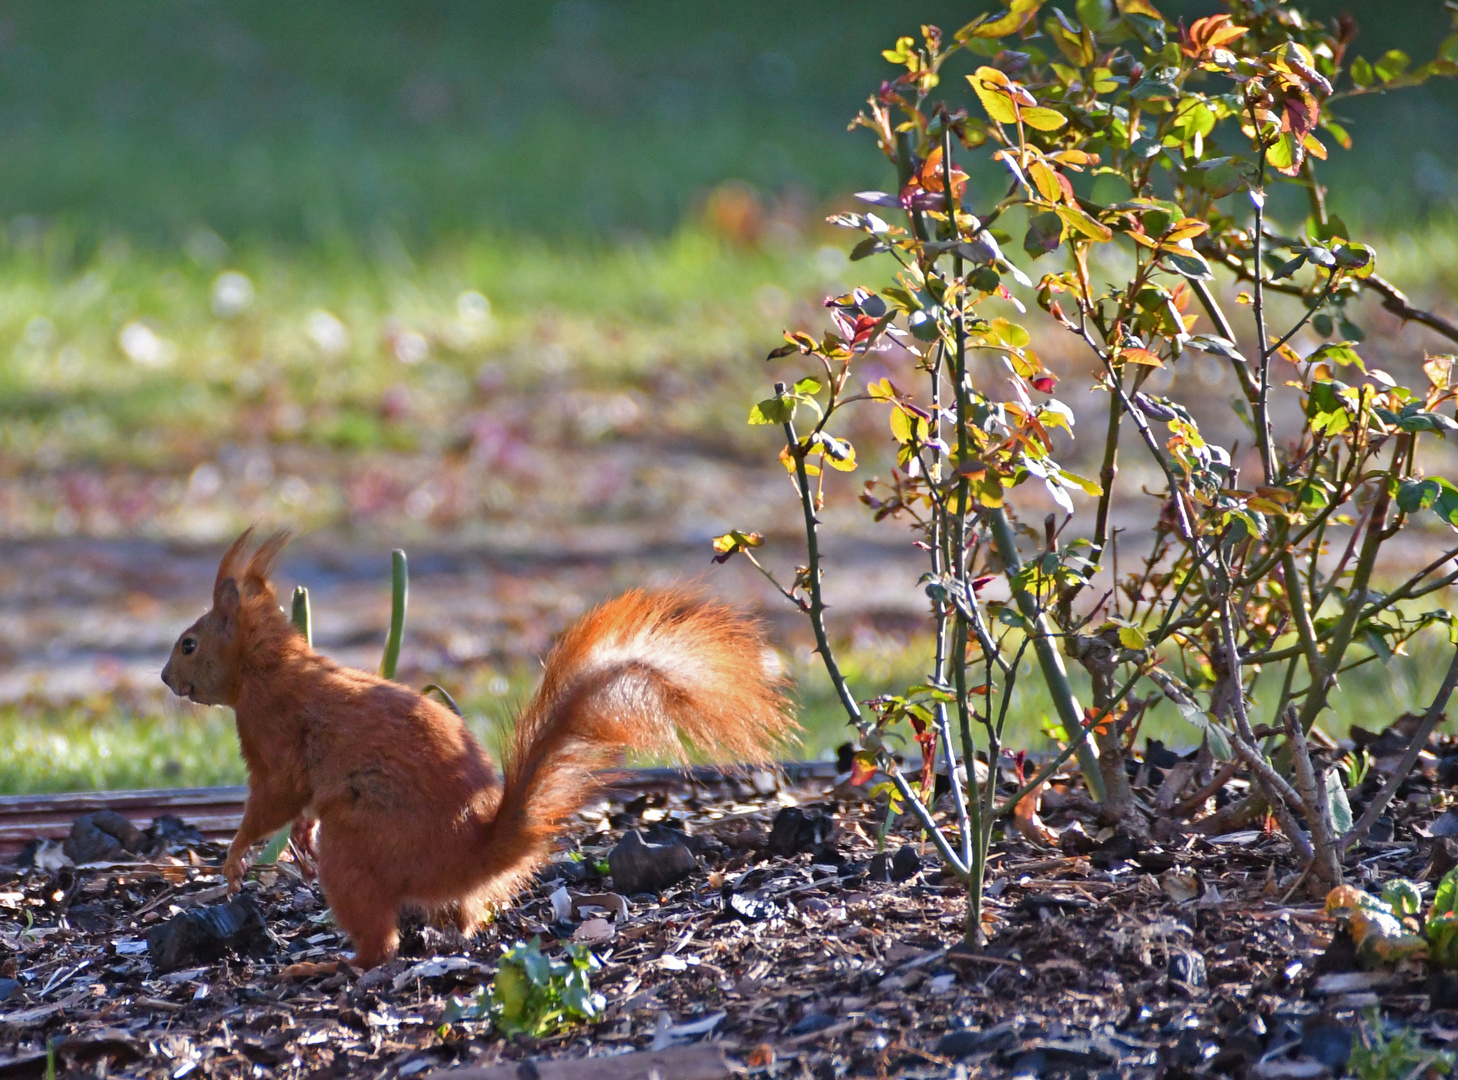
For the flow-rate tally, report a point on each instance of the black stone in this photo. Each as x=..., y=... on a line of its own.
x=170, y=831
x=1340, y=955
x=671, y=832
x=88, y=917
x=205, y=934
x=1159, y=756
x=102, y=836
x=569, y=870
x=879, y=868
x=640, y=866
x=1381, y=830
x=1447, y=825
x=1448, y=770
x=1114, y=852
x=1443, y=990
x=1329, y=1044
x=1031, y=1064
x=905, y=863
x=796, y=829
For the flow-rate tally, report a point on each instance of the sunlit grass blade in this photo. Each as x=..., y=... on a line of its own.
x=444, y=696
x=399, y=597
x=300, y=614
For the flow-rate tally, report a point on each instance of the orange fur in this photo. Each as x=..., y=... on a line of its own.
x=409, y=806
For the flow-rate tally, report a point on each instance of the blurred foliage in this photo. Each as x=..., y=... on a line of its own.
x=373, y=120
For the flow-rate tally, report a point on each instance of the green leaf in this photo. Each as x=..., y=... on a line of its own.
x=1213, y=343
x=775, y=410
x=275, y=846
x=1188, y=263
x=1132, y=637
x=808, y=385
x=1393, y=63
x=1415, y=495
x=1445, y=899
x=1403, y=897
x=1045, y=233
x=1362, y=73
x=1339, y=352
x=300, y=614
x=1095, y=14
x=1338, y=806
x=871, y=245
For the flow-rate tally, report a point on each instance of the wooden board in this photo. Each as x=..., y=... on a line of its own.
x=216, y=811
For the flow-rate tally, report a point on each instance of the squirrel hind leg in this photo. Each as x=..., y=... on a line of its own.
x=372, y=929
x=362, y=910
x=472, y=911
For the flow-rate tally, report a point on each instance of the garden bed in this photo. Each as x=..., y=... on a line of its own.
x=1200, y=956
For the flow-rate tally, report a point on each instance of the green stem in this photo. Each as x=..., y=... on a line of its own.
x=300, y=615
x=1055, y=675
x=399, y=597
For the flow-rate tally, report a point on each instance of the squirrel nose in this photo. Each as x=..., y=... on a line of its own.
x=167, y=674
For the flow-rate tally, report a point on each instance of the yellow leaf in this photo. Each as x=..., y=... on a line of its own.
x=905, y=424
x=1139, y=7
x=1046, y=181
x=1014, y=20
x=733, y=541
x=1077, y=219
x=1183, y=230
x=880, y=390
x=1141, y=356
x=787, y=459
x=1314, y=147
x=1041, y=119
x=991, y=87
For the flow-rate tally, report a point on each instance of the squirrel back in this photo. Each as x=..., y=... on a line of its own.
x=409, y=808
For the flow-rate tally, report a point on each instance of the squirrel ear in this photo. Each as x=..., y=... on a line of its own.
x=225, y=598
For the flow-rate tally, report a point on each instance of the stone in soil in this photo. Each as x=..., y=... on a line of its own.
x=205, y=934
x=641, y=866
x=796, y=829
x=102, y=836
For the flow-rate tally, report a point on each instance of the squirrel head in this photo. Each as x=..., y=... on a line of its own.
x=207, y=663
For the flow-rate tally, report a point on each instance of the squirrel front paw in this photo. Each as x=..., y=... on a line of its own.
x=233, y=870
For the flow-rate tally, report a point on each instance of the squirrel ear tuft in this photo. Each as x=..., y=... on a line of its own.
x=226, y=599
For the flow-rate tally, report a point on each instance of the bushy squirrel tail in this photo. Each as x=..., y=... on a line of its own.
x=645, y=672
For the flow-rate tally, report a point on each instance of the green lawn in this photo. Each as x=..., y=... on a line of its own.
x=102, y=744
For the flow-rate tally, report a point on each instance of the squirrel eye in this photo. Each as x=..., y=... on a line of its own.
x=189, y=645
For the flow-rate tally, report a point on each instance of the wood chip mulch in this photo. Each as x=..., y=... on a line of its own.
x=1200, y=957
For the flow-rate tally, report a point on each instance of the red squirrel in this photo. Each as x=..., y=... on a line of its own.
x=410, y=808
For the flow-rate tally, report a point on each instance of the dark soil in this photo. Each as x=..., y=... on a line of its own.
x=1201, y=957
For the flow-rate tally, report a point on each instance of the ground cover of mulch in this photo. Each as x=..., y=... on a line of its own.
x=792, y=946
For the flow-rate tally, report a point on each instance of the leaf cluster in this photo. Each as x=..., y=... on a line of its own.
x=535, y=994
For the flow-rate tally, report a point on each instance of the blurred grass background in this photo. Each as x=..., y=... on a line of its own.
x=251, y=252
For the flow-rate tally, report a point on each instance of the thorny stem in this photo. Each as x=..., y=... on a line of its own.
x=1278, y=792
x=1326, y=860
x=1263, y=413
x=832, y=667
x=1070, y=714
